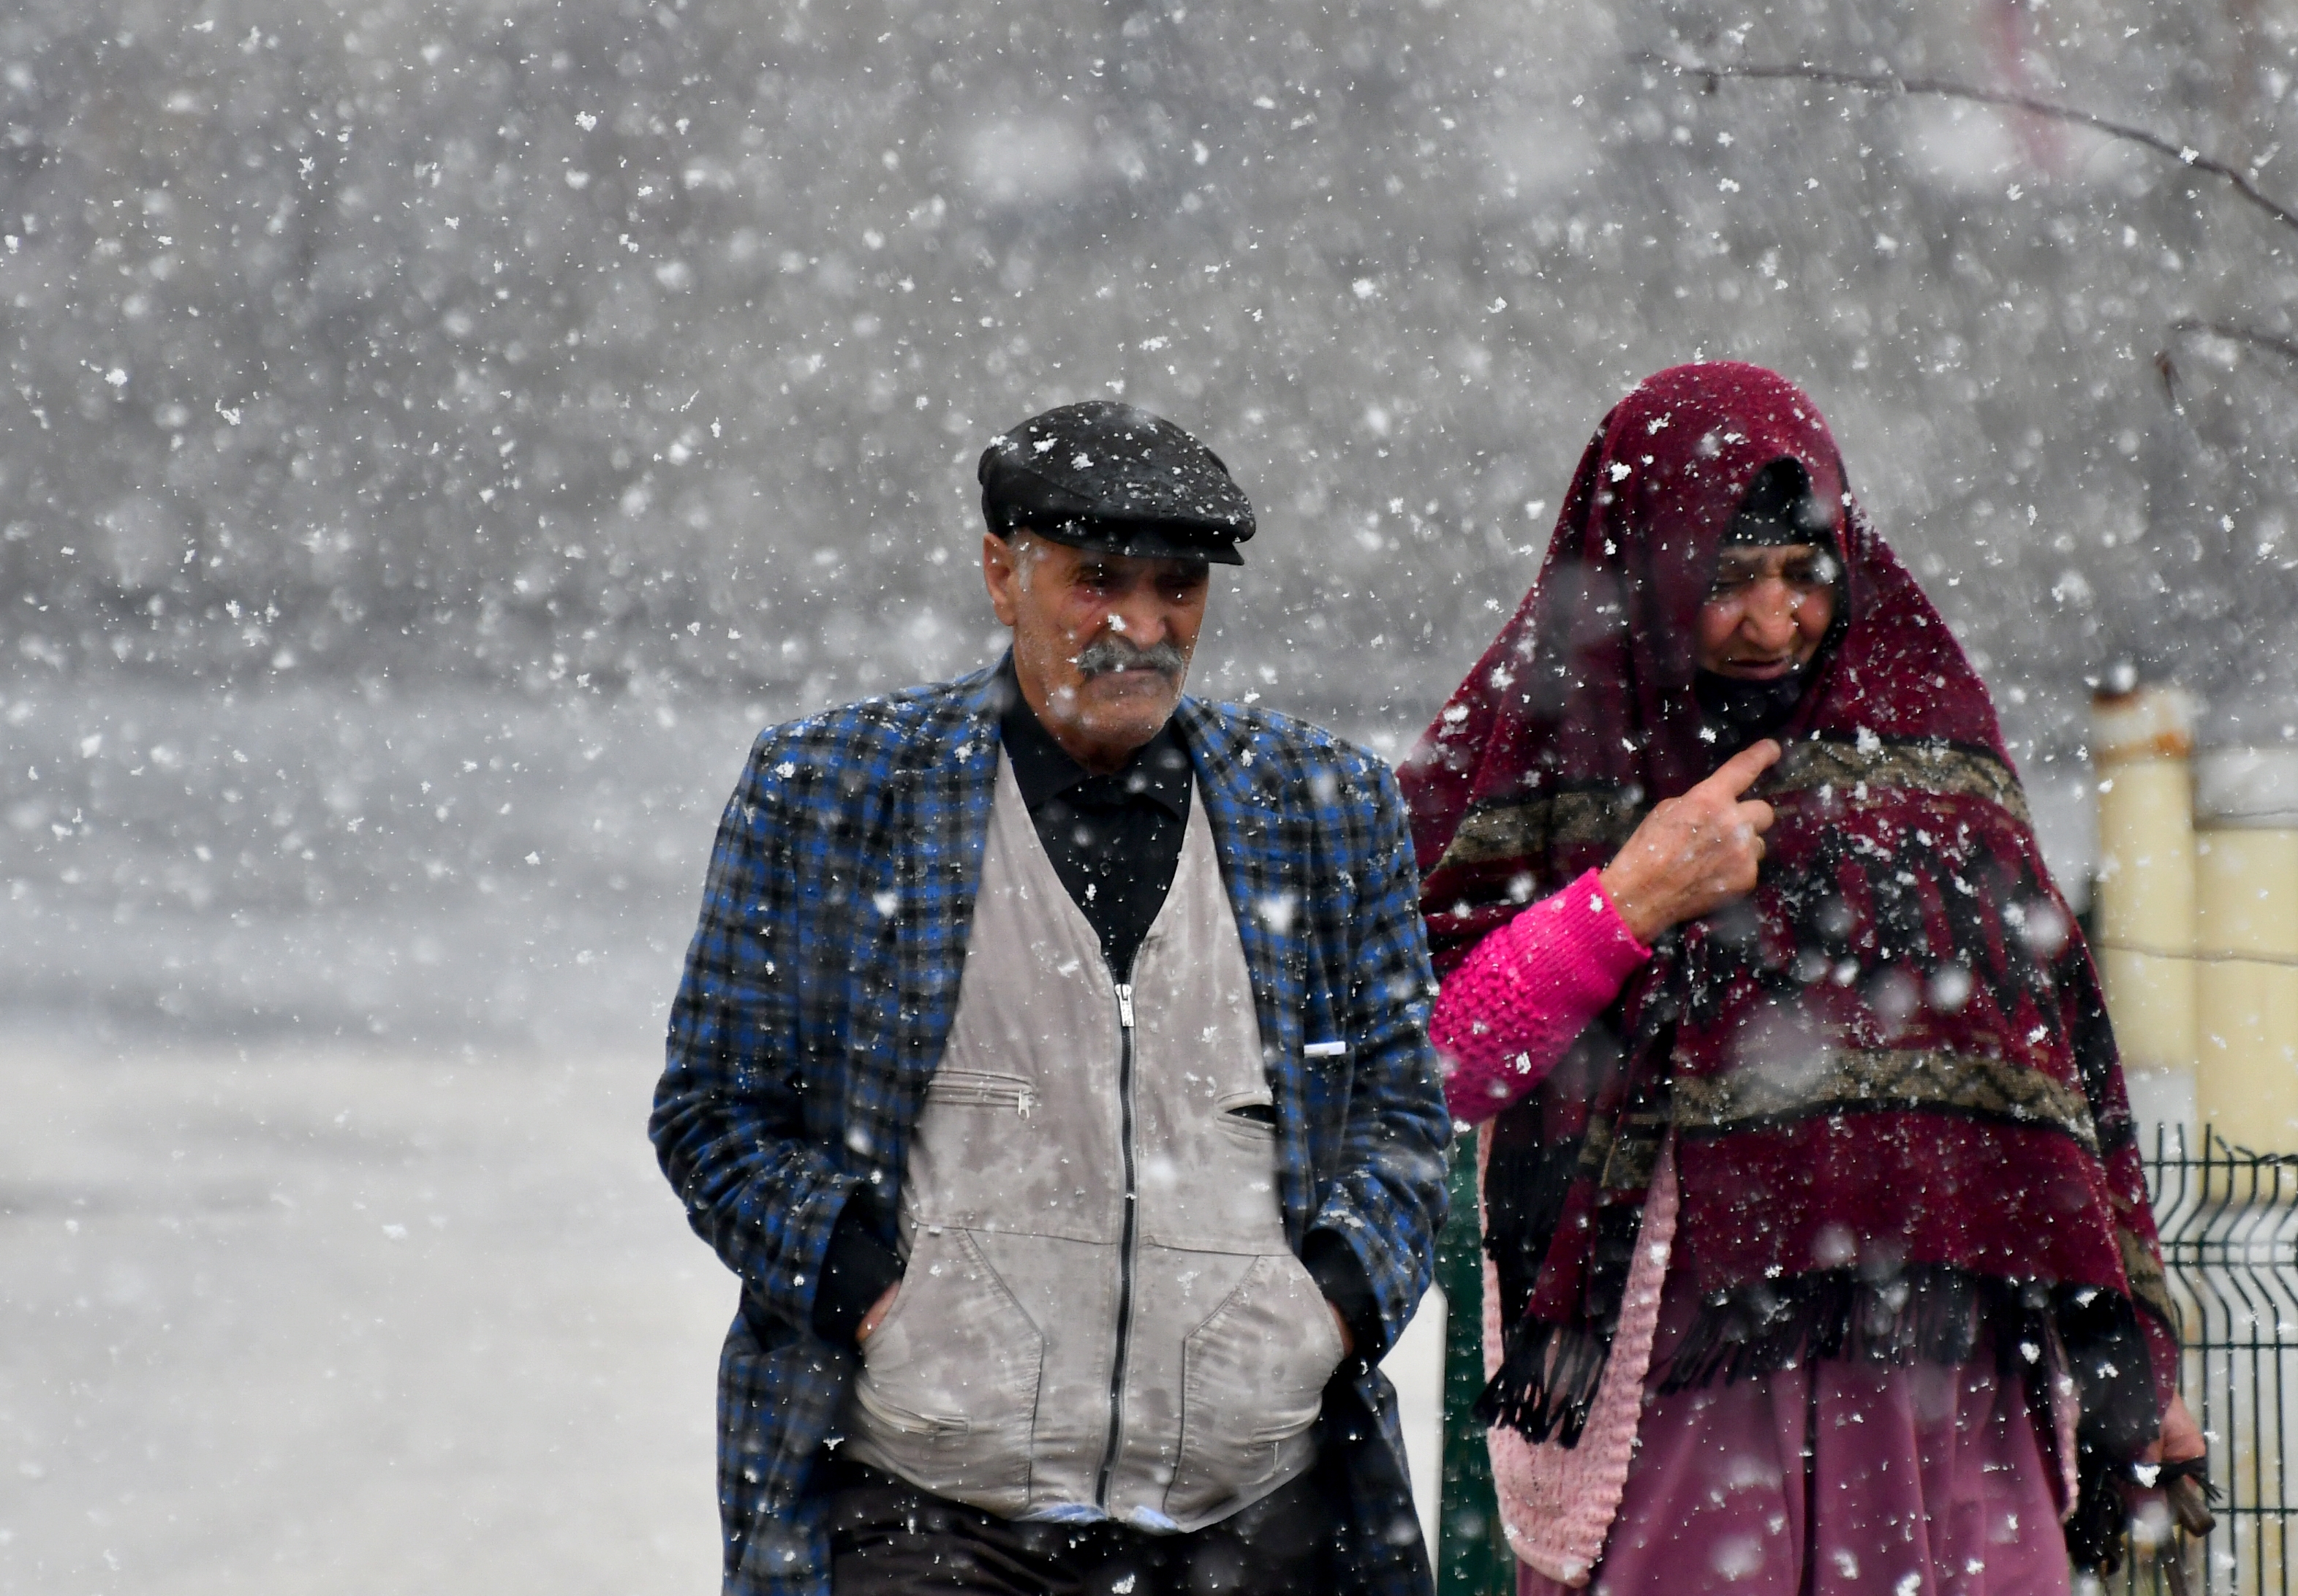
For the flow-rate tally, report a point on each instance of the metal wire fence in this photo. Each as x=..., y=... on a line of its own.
x=2229, y=1223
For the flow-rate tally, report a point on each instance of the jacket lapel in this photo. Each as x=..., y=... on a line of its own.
x=1243, y=785
x=929, y=873
x=938, y=829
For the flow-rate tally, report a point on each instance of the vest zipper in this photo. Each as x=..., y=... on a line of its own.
x=1125, y=1261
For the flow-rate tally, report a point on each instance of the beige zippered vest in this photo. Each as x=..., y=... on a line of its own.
x=1099, y=1314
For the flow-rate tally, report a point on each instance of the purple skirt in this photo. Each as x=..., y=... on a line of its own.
x=1922, y=1480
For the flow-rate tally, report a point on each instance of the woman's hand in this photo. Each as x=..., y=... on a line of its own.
x=2182, y=1437
x=2187, y=1498
x=1695, y=853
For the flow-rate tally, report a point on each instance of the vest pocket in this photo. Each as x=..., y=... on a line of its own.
x=947, y=1392
x=892, y=1416
x=1252, y=1381
x=975, y=1088
x=1250, y=1121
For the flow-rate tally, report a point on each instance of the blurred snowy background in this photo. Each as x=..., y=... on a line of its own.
x=434, y=438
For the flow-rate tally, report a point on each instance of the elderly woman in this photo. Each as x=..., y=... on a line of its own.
x=1818, y=1251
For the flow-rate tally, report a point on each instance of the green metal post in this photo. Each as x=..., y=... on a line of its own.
x=1472, y=1554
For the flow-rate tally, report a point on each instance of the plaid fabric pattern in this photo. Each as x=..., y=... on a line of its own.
x=820, y=985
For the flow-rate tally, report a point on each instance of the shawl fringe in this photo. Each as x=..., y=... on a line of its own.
x=1547, y=1382
x=2096, y=1530
x=1927, y=1315
x=2114, y=1385
x=1525, y=1191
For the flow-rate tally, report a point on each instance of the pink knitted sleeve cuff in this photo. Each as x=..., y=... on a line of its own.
x=1513, y=1007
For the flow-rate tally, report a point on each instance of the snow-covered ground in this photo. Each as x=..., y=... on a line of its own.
x=292, y=1318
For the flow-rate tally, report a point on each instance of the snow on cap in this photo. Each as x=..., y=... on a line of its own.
x=1113, y=478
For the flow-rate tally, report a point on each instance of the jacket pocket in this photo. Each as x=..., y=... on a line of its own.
x=947, y=1392
x=892, y=1416
x=1252, y=1381
x=1249, y=1119
x=975, y=1088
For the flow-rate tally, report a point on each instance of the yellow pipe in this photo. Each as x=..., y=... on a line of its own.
x=2141, y=745
x=2247, y=941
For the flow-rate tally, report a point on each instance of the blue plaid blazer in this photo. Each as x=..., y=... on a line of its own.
x=821, y=986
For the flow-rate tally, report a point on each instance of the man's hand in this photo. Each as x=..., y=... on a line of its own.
x=1348, y=1338
x=877, y=1314
x=1695, y=853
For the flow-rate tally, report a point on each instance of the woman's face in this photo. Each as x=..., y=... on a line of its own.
x=1770, y=607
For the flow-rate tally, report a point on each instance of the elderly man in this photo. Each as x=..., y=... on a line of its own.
x=1051, y=1067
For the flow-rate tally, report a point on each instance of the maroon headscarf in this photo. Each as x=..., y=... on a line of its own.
x=1893, y=1091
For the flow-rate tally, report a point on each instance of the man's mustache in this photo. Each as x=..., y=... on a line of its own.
x=1109, y=652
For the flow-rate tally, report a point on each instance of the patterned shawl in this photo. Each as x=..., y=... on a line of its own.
x=1895, y=1096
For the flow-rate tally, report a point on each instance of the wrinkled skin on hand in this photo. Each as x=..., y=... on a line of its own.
x=1694, y=854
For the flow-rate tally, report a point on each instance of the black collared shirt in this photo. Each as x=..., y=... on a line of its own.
x=1115, y=840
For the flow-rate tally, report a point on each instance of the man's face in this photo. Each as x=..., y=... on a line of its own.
x=1100, y=641
x=1768, y=610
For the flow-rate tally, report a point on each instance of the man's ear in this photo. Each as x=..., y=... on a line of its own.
x=1000, y=572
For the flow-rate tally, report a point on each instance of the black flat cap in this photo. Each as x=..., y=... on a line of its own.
x=1118, y=480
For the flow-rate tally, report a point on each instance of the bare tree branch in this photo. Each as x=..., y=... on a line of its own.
x=2191, y=326
x=1892, y=83
x=2236, y=334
